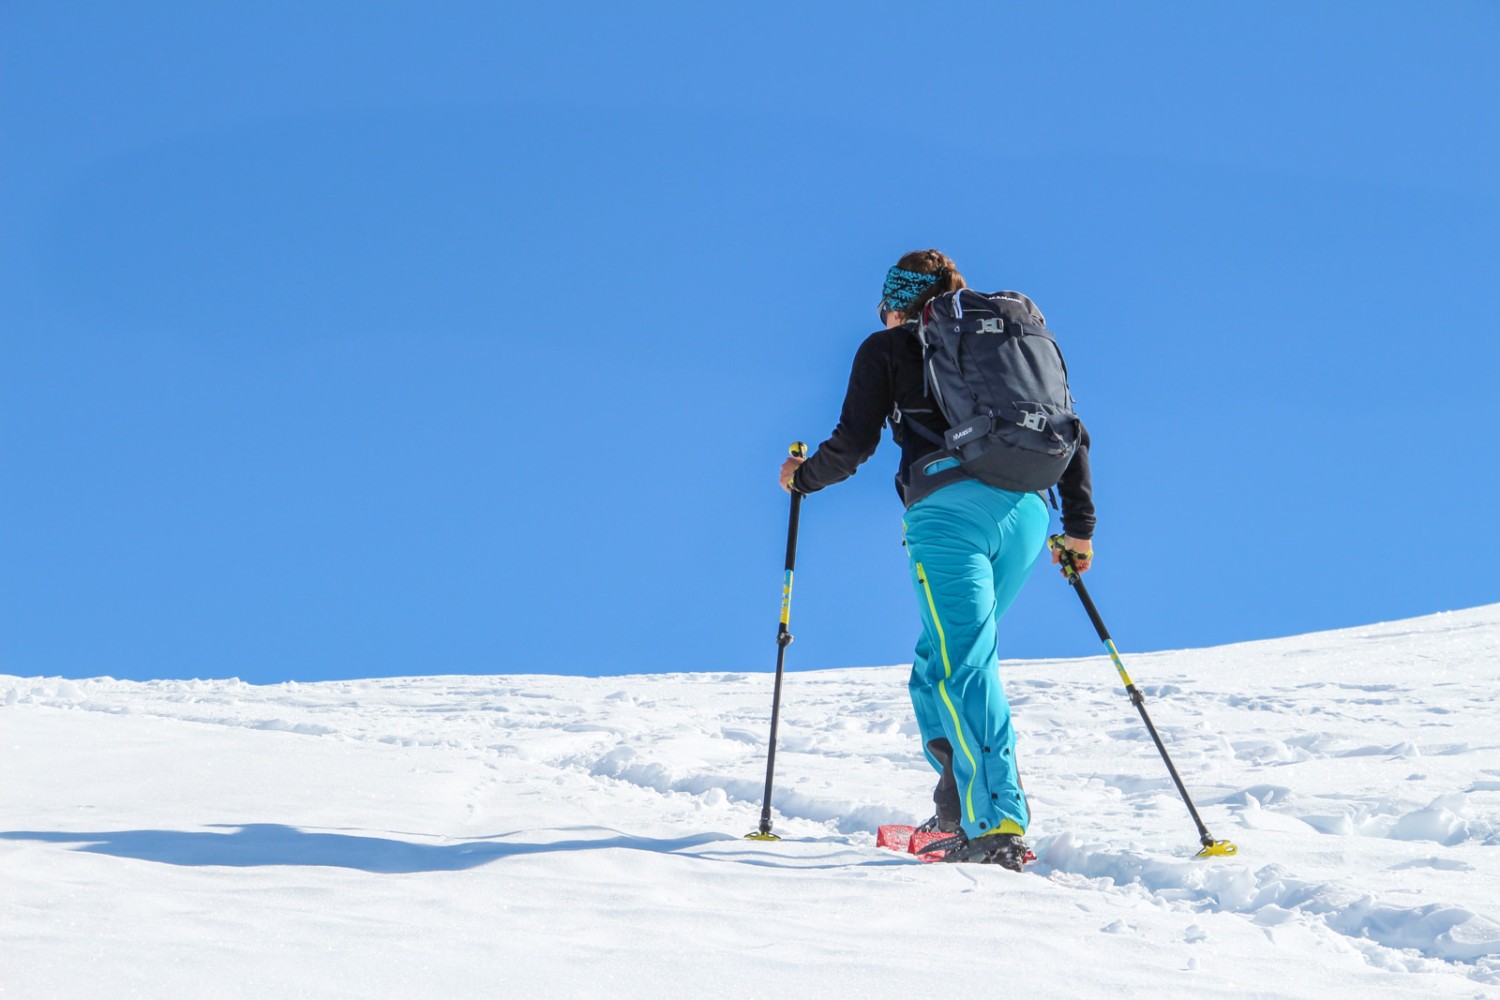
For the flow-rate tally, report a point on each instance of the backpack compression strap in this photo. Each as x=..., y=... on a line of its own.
x=1004, y=327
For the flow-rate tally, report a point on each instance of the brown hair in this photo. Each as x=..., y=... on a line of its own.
x=931, y=262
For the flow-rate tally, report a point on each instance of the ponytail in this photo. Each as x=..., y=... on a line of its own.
x=939, y=266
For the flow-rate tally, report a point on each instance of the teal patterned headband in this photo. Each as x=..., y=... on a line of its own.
x=902, y=287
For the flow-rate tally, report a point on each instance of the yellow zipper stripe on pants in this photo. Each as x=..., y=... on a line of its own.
x=943, y=690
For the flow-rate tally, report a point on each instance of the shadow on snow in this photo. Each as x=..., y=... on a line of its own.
x=266, y=844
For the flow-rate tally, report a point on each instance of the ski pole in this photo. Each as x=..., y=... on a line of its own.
x=1211, y=847
x=783, y=640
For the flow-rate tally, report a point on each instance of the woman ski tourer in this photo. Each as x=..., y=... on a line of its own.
x=970, y=546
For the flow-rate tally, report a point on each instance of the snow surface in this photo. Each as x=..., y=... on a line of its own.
x=541, y=836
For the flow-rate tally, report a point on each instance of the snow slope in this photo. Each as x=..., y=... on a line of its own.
x=539, y=836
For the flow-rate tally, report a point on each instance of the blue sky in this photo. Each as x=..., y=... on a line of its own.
x=345, y=340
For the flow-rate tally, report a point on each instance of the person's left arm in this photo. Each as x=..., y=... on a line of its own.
x=1076, y=488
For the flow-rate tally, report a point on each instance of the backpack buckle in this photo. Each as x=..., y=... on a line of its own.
x=991, y=326
x=1034, y=420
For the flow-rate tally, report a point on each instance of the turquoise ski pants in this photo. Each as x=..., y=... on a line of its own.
x=971, y=547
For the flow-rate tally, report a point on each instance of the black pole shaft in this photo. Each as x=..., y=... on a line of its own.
x=1138, y=699
x=783, y=640
x=1088, y=605
x=1140, y=704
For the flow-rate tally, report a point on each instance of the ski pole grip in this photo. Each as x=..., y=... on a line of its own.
x=798, y=450
x=1064, y=554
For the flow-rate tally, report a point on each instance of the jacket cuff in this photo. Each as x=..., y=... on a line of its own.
x=796, y=484
x=1084, y=533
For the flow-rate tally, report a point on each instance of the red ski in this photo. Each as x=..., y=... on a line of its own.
x=907, y=840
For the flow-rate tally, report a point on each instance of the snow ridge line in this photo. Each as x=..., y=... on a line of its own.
x=844, y=816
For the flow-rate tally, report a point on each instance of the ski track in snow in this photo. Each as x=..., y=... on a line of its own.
x=1358, y=771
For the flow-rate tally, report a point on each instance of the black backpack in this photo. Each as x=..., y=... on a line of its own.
x=999, y=378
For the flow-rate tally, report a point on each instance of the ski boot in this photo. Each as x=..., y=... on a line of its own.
x=1004, y=847
x=1007, y=850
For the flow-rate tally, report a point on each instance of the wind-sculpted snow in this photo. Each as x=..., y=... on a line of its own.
x=1271, y=895
x=417, y=836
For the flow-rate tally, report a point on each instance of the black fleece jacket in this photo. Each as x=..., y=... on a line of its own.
x=887, y=373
